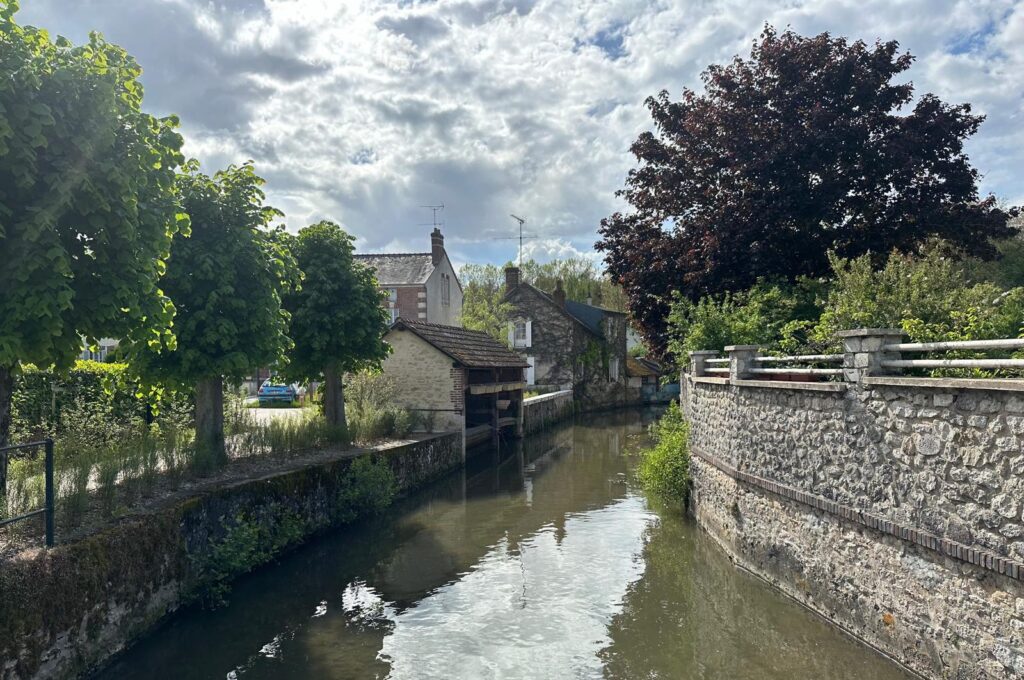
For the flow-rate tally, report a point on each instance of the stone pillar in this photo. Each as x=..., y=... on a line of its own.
x=741, y=360
x=863, y=354
x=698, y=361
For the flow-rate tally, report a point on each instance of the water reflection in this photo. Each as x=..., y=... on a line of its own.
x=540, y=561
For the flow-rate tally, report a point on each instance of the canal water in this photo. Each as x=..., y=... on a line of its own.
x=543, y=560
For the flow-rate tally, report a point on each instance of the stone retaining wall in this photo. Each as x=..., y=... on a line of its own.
x=66, y=610
x=893, y=509
x=541, y=411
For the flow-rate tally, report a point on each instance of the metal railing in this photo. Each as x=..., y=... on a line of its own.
x=47, y=509
x=1006, y=344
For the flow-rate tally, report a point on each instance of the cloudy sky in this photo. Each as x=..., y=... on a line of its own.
x=362, y=112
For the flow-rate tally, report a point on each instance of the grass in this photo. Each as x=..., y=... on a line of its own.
x=105, y=465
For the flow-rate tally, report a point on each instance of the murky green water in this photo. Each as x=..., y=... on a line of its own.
x=541, y=562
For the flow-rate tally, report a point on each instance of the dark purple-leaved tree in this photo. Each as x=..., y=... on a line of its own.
x=806, y=147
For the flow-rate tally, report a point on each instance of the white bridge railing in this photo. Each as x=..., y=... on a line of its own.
x=869, y=352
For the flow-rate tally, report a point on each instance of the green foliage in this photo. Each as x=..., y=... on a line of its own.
x=1007, y=269
x=372, y=413
x=581, y=280
x=226, y=281
x=337, y=321
x=87, y=201
x=928, y=296
x=367, y=488
x=774, y=315
x=41, y=396
x=665, y=469
x=248, y=542
x=483, y=304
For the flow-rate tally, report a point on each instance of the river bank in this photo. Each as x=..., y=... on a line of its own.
x=65, y=610
x=540, y=560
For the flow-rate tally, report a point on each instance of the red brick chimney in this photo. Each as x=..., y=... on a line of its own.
x=436, y=246
x=511, y=278
x=559, y=294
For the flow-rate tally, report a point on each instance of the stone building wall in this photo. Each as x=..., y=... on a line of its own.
x=427, y=381
x=553, y=338
x=894, y=510
x=567, y=355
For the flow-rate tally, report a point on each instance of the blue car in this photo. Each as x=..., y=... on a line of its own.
x=275, y=392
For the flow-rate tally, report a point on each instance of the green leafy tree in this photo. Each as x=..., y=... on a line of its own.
x=774, y=315
x=226, y=281
x=929, y=296
x=87, y=202
x=483, y=305
x=337, y=321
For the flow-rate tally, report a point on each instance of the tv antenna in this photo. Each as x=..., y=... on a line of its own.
x=435, y=209
x=521, y=222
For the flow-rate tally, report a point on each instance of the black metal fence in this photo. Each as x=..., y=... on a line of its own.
x=47, y=511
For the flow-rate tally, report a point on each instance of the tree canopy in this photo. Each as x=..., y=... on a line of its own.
x=225, y=280
x=87, y=202
x=337, y=321
x=483, y=306
x=803, y=149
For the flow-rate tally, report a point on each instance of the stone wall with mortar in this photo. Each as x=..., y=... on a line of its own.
x=66, y=610
x=546, y=409
x=427, y=382
x=892, y=509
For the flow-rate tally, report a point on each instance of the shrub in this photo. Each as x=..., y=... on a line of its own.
x=665, y=468
x=769, y=314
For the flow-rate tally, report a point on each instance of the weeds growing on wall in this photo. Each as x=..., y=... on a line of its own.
x=366, y=487
x=665, y=468
x=248, y=542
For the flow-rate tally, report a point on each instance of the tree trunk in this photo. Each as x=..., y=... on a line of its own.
x=210, y=417
x=6, y=397
x=334, y=399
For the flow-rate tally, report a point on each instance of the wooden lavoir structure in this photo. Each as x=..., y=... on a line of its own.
x=457, y=378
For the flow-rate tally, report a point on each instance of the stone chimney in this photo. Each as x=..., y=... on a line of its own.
x=511, y=278
x=436, y=246
x=559, y=294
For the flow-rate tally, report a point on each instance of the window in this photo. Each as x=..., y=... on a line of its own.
x=446, y=290
x=392, y=295
x=394, y=314
x=520, y=333
x=613, y=369
x=520, y=336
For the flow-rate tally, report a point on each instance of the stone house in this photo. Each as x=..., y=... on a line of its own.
x=568, y=344
x=419, y=286
x=456, y=379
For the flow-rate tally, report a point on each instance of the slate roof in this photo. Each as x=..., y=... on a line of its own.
x=399, y=269
x=473, y=349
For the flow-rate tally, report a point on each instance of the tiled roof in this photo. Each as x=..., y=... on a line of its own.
x=472, y=349
x=397, y=269
x=639, y=368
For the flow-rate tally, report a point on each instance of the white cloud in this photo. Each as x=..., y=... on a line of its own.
x=362, y=112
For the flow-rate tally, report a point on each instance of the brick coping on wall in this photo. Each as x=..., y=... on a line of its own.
x=943, y=546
